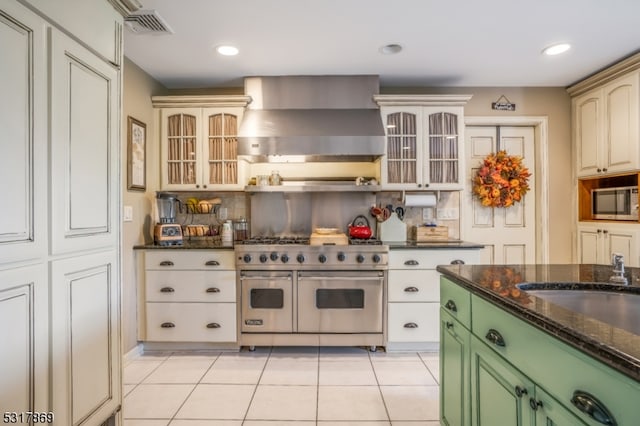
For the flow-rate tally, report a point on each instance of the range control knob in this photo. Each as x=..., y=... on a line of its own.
x=341, y=257
x=300, y=258
x=376, y=258
x=284, y=258
x=274, y=256
x=263, y=258
x=246, y=258
x=322, y=258
x=359, y=258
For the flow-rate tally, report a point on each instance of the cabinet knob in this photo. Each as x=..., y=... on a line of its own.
x=411, y=289
x=604, y=231
x=449, y=324
x=166, y=263
x=411, y=325
x=213, y=290
x=535, y=404
x=451, y=305
x=599, y=170
x=521, y=391
x=495, y=337
x=411, y=263
x=457, y=262
x=197, y=186
x=167, y=290
x=204, y=186
x=212, y=263
x=592, y=407
x=167, y=325
x=419, y=185
x=213, y=325
x=604, y=169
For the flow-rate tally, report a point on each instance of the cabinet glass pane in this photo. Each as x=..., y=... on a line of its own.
x=443, y=148
x=223, y=149
x=181, y=157
x=401, y=147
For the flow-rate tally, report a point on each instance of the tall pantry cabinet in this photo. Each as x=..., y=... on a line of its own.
x=60, y=233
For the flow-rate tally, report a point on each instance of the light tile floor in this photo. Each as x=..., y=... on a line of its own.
x=282, y=386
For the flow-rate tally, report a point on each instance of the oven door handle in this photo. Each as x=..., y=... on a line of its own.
x=339, y=278
x=263, y=278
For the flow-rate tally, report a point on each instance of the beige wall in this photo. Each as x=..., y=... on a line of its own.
x=138, y=87
x=553, y=103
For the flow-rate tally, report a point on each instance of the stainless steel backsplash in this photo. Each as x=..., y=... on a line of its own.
x=297, y=214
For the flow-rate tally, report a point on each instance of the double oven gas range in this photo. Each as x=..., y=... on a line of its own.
x=294, y=293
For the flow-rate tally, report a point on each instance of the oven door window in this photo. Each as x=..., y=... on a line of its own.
x=267, y=298
x=340, y=298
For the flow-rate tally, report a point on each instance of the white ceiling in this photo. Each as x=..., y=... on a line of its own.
x=446, y=42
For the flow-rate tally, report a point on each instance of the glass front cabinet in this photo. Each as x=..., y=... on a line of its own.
x=424, y=136
x=199, y=137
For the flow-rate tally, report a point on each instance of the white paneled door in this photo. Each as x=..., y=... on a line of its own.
x=509, y=234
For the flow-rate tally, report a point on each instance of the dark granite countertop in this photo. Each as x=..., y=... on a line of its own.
x=204, y=244
x=451, y=244
x=618, y=348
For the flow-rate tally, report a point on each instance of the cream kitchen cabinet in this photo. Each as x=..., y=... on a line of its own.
x=59, y=240
x=413, y=295
x=198, y=142
x=598, y=241
x=189, y=296
x=606, y=127
x=423, y=142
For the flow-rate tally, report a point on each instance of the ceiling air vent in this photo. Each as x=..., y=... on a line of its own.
x=147, y=22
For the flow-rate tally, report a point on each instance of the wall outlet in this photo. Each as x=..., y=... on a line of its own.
x=127, y=214
x=427, y=214
x=451, y=213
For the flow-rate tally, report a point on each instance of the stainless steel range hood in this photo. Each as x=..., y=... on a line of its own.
x=311, y=118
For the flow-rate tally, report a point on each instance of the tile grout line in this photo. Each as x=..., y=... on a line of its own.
x=384, y=403
x=255, y=389
x=144, y=378
x=436, y=379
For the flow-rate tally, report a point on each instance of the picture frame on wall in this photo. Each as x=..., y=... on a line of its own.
x=136, y=155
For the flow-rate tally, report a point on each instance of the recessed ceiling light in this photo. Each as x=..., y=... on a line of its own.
x=227, y=50
x=391, y=49
x=556, y=49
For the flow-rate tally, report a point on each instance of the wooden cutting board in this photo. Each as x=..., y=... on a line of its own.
x=338, y=239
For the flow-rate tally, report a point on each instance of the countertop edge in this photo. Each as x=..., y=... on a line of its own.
x=410, y=245
x=615, y=359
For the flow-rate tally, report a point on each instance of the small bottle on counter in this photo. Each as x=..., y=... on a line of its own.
x=227, y=231
x=241, y=229
x=275, y=179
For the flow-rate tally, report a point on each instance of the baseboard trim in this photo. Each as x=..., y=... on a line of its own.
x=134, y=353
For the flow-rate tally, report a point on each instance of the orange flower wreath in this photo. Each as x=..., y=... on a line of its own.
x=501, y=180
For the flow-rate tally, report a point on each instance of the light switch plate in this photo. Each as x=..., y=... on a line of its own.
x=449, y=213
x=127, y=214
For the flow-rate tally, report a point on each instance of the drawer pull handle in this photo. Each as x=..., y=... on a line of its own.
x=495, y=337
x=449, y=324
x=535, y=404
x=166, y=263
x=592, y=407
x=213, y=290
x=412, y=263
x=457, y=262
x=451, y=305
x=411, y=289
x=212, y=263
x=167, y=290
x=521, y=391
x=167, y=325
x=213, y=325
x=411, y=325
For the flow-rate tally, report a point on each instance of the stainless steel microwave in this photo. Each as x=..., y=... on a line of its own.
x=619, y=203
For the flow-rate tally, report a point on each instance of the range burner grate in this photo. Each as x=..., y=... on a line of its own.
x=285, y=240
x=365, y=242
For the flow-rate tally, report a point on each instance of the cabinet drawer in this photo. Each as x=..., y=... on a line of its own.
x=191, y=322
x=189, y=259
x=555, y=366
x=413, y=322
x=429, y=259
x=456, y=300
x=414, y=286
x=190, y=286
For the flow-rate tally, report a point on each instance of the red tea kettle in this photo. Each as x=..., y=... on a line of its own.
x=359, y=228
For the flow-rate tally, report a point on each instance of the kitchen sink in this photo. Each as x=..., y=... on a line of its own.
x=618, y=306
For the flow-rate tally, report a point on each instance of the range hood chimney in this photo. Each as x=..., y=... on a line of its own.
x=311, y=118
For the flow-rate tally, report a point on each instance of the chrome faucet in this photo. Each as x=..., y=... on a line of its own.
x=617, y=260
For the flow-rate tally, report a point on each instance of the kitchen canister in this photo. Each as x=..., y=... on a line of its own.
x=227, y=231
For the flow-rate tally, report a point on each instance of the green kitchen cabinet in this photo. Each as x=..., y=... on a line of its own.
x=516, y=374
x=499, y=392
x=454, y=371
